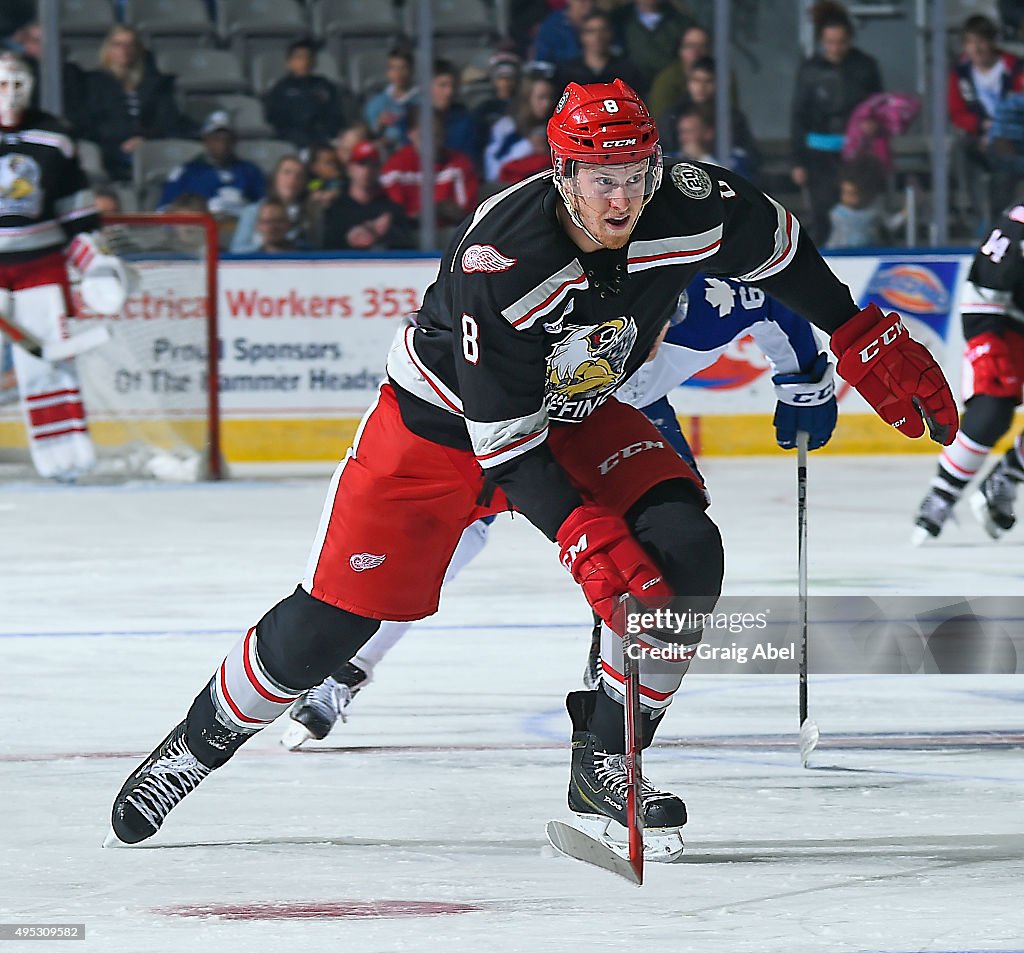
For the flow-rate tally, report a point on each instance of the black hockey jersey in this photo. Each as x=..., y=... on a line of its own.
x=993, y=294
x=522, y=330
x=45, y=199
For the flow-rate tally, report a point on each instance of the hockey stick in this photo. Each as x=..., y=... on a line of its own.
x=808, y=729
x=634, y=746
x=575, y=843
x=58, y=350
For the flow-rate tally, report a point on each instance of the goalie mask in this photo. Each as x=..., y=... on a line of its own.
x=15, y=89
x=604, y=148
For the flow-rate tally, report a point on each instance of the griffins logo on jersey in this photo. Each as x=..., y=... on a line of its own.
x=485, y=258
x=690, y=180
x=586, y=366
x=20, y=193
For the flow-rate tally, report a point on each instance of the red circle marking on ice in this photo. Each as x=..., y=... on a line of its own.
x=330, y=910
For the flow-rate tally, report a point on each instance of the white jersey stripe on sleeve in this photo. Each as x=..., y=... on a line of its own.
x=678, y=250
x=786, y=235
x=406, y=368
x=499, y=441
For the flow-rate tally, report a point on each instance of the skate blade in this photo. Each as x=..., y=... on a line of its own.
x=295, y=735
x=920, y=536
x=574, y=843
x=809, y=736
x=112, y=840
x=662, y=845
x=979, y=507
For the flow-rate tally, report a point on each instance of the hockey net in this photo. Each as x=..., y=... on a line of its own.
x=151, y=390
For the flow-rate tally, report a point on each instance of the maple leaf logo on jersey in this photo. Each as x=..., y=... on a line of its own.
x=719, y=294
x=485, y=258
x=360, y=562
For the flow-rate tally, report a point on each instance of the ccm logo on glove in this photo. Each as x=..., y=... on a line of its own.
x=887, y=337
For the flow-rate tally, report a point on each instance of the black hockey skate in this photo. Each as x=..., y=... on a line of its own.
x=317, y=711
x=935, y=509
x=993, y=502
x=157, y=786
x=598, y=793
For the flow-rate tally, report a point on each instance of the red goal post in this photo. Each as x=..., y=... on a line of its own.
x=152, y=393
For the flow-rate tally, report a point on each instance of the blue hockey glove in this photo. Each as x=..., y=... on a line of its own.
x=806, y=401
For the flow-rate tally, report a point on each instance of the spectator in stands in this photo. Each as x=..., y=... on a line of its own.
x=127, y=101
x=302, y=107
x=859, y=219
x=364, y=218
x=510, y=135
x=597, y=64
x=649, y=33
x=829, y=85
x=536, y=160
x=108, y=202
x=695, y=134
x=669, y=86
x=274, y=228
x=385, y=113
x=1006, y=138
x=982, y=77
x=455, y=178
x=701, y=93
x=349, y=138
x=227, y=182
x=286, y=186
x=558, y=38
x=456, y=122
x=504, y=71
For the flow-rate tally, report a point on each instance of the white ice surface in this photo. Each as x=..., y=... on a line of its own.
x=117, y=603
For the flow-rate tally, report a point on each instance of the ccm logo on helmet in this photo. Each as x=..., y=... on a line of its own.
x=886, y=338
x=615, y=143
x=629, y=451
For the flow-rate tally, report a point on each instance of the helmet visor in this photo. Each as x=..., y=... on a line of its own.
x=630, y=180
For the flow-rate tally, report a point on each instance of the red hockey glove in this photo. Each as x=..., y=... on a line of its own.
x=608, y=563
x=896, y=375
x=992, y=367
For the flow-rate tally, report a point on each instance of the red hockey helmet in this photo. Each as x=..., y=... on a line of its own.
x=604, y=124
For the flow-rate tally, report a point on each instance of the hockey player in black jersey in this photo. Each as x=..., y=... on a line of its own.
x=47, y=213
x=992, y=310
x=499, y=396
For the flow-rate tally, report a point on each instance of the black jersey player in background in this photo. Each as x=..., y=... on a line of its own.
x=992, y=310
x=47, y=215
x=498, y=396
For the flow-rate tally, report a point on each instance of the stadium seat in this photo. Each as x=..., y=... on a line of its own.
x=246, y=113
x=240, y=22
x=203, y=71
x=153, y=161
x=265, y=152
x=367, y=69
x=165, y=20
x=85, y=18
x=459, y=18
x=354, y=18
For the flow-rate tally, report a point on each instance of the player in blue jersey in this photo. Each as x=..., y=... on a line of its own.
x=712, y=314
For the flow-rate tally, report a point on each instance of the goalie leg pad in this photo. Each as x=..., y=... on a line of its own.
x=59, y=439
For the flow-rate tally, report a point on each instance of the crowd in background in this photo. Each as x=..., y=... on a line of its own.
x=352, y=181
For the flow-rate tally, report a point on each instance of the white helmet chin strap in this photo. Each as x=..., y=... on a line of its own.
x=16, y=83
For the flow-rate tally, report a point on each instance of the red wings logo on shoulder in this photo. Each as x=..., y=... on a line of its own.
x=485, y=258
